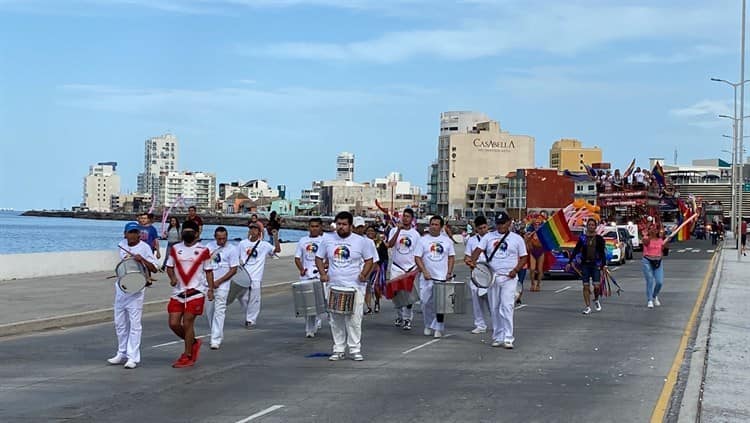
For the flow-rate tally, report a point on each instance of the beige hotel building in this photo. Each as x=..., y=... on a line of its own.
x=473, y=146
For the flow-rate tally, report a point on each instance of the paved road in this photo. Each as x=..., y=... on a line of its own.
x=609, y=366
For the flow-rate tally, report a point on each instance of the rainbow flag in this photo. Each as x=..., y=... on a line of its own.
x=683, y=234
x=629, y=170
x=555, y=233
x=658, y=173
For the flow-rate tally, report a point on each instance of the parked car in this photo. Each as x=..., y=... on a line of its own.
x=635, y=239
x=615, y=246
x=628, y=240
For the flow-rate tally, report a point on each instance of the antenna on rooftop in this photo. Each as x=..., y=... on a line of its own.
x=675, y=155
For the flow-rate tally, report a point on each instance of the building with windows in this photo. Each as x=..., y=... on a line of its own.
x=485, y=196
x=100, y=185
x=471, y=146
x=345, y=167
x=537, y=190
x=160, y=155
x=195, y=188
x=570, y=154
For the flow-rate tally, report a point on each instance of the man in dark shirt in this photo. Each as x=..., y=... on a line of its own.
x=195, y=218
x=591, y=247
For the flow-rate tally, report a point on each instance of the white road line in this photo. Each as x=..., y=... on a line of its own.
x=709, y=251
x=270, y=409
x=562, y=289
x=696, y=251
x=520, y=306
x=680, y=251
x=424, y=345
x=175, y=342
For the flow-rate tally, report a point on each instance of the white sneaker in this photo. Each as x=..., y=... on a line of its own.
x=650, y=304
x=657, y=302
x=357, y=357
x=508, y=345
x=586, y=310
x=438, y=334
x=117, y=359
x=131, y=364
x=478, y=330
x=496, y=343
x=427, y=332
x=309, y=335
x=214, y=346
x=336, y=357
x=597, y=305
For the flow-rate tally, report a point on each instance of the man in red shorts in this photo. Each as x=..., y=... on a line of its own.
x=191, y=276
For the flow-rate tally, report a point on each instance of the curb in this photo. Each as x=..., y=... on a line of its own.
x=100, y=316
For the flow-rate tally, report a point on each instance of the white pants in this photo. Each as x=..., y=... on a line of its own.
x=479, y=305
x=502, y=295
x=428, y=306
x=216, y=312
x=347, y=328
x=249, y=298
x=128, y=311
x=403, y=313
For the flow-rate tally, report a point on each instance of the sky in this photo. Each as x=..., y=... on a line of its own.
x=274, y=89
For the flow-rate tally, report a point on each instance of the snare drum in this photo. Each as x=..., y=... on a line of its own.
x=131, y=276
x=308, y=298
x=449, y=297
x=341, y=300
x=403, y=290
x=242, y=277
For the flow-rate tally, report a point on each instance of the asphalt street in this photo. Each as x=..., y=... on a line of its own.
x=606, y=367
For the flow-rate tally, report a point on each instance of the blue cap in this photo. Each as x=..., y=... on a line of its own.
x=132, y=226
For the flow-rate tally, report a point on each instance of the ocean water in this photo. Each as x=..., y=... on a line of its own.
x=27, y=234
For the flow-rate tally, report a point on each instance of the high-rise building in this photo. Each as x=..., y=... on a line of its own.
x=100, y=185
x=472, y=148
x=345, y=167
x=569, y=154
x=160, y=155
x=196, y=189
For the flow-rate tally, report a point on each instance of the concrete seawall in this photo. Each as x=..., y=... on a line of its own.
x=37, y=265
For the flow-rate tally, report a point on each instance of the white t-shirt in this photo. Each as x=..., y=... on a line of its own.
x=346, y=258
x=506, y=257
x=223, y=259
x=373, y=250
x=639, y=177
x=471, y=244
x=307, y=247
x=402, y=252
x=190, y=266
x=255, y=264
x=141, y=248
x=434, y=251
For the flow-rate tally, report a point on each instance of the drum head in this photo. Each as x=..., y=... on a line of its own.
x=482, y=276
x=242, y=278
x=131, y=283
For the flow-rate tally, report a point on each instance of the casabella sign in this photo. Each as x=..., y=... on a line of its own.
x=493, y=145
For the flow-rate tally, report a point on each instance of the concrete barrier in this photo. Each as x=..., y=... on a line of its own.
x=38, y=265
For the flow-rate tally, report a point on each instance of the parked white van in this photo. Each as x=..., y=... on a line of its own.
x=632, y=229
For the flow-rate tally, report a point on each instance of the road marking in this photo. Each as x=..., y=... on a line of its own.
x=681, y=251
x=562, y=289
x=520, y=306
x=710, y=251
x=270, y=409
x=696, y=251
x=419, y=347
x=660, y=409
x=175, y=342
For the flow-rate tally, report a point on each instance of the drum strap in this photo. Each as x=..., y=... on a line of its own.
x=489, y=258
x=251, y=252
x=404, y=270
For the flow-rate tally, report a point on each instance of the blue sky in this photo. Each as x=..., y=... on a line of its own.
x=275, y=88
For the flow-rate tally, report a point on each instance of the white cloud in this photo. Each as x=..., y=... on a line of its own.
x=558, y=28
x=699, y=52
x=704, y=108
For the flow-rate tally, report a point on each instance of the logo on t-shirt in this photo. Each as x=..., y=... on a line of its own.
x=403, y=245
x=252, y=253
x=436, y=251
x=503, y=247
x=310, y=249
x=217, y=258
x=341, y=255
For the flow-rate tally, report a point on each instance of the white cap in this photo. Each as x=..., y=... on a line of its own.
x=359, y=221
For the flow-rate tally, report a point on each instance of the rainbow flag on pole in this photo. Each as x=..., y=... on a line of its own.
x=555, y=233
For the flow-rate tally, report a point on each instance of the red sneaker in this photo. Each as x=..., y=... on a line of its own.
x=183, y=361
x=196, y=350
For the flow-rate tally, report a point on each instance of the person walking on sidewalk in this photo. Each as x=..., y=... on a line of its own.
x=653, y=269
x=173, y=237
x=743, y=236
x=225, y=258
x=592, y=250
x=192, y=278
x=129, y=307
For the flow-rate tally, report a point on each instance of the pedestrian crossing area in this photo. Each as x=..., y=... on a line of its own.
x=692, y=251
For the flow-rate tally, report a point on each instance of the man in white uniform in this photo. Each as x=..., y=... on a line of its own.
x=360, y=228
x=304, y=259
x=350, y=262
x=479, y=299
x=403, y=244
x=508, y=255
x=192, y=278
x=224, y=258
x=435, y=257
x=129, y=307
x=253, y=254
